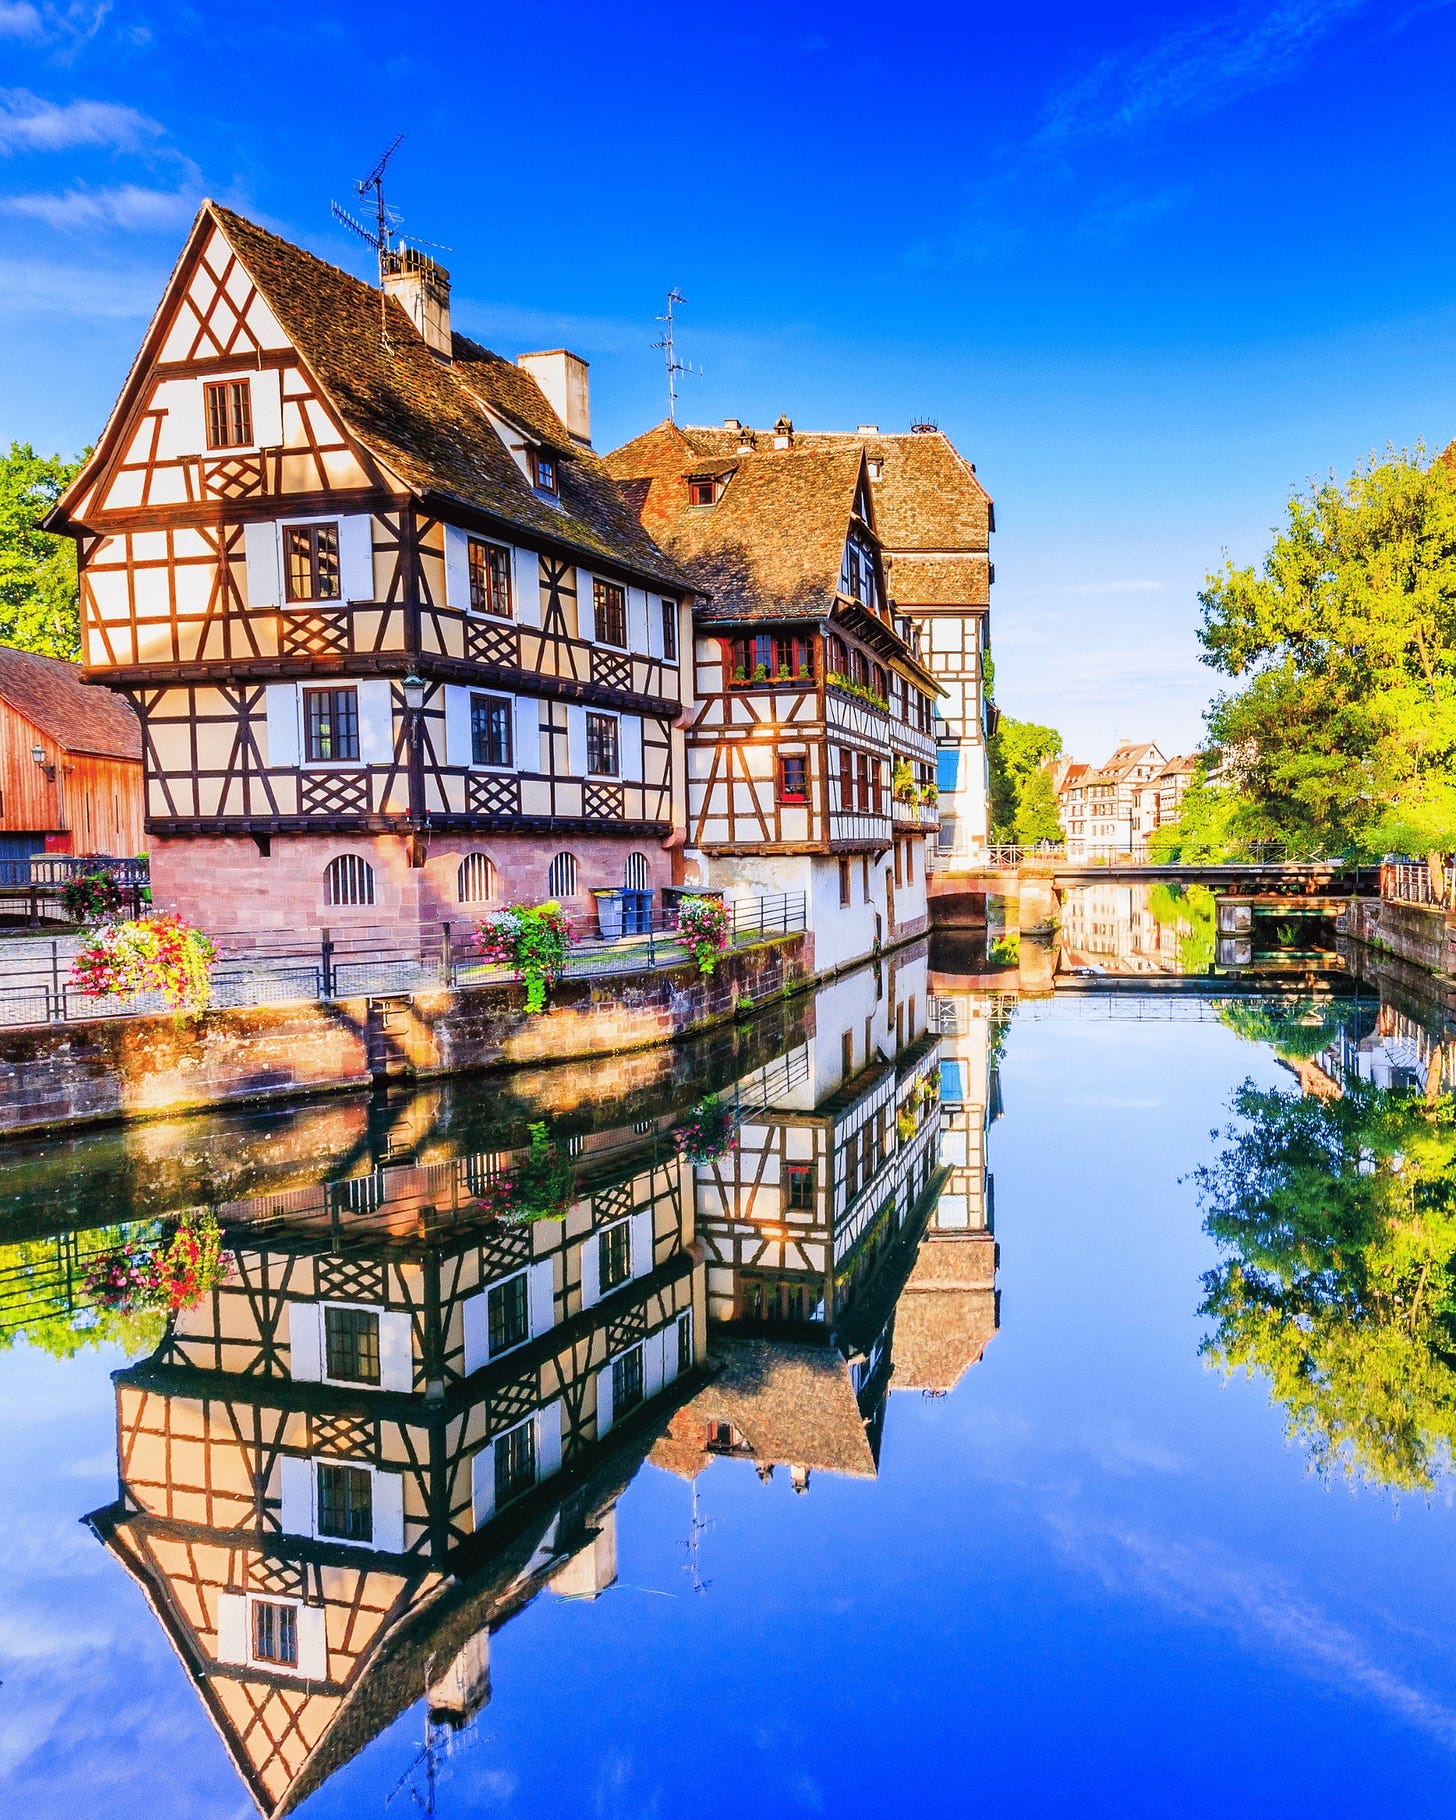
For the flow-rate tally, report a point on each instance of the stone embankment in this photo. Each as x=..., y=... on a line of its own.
x=1420, y=936
x=59, y=1075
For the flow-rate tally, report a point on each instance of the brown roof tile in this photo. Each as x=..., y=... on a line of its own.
x=423, y=417
x=947, y=1314
x=940, y=581
x=773, y=545
x=52, y=697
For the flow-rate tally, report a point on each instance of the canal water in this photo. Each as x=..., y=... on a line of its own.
x=874, y=1446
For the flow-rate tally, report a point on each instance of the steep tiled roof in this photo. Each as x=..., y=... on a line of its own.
x=423, y=417
x=792, y=1404
x=772, y=546
x=926, y=498
x=939, y=581
x=946, y=1316
x=52, y=697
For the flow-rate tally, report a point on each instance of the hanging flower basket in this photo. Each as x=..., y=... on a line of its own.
x=167, y=1276
x=541, y=1185
x=709, y=1132
x=703, y=925
x=535, y=940
x=150, y=954
x=96, y=898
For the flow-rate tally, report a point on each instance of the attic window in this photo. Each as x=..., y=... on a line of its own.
x=229, y=414
x=543, y=468
x=706, y=491
x=876, y=467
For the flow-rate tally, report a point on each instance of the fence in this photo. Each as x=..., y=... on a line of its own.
x=276, y=968
x=1408, y=882
x=40, y=881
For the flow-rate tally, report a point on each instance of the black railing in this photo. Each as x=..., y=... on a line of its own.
x=275, y=967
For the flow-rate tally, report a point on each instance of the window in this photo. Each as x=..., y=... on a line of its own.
x=626, y=1382
x=846, y=781
x=275, y=1633
x=602, y=758
x=331, y=726
x=702, y=492
x=229, y=414
x=684, y=1342
x=846, y=1052
x=616, y=1254
x=311, y=561
x=610, y=603
x=637, y=876
x=543, y=468
x=515, y=1462
x=864, y=782
x=669, y=630
x=561, y=876
x=477, y=881
x=838, y=656
x=793, y=778
x=858, y=578
x=349, y=880
x=801, y=1185
x=771, y=657
x=508, y=1314
x=345, y=1502
x=909, y=862
x=351, y=1344
x=490, y=578
x=845, y=882
x=490, y=730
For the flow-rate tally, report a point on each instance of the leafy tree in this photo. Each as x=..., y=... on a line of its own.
x=1205, y=827
x=1023, y=803
x=1338, y=1218
x=38, y=591
x=1344, y=732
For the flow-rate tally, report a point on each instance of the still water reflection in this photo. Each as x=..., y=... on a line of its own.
x=648, y=1438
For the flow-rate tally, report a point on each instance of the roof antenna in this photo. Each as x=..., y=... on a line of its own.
x=381, y=236
x=674, y=365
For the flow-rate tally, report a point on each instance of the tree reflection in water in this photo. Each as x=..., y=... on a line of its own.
x=1337, y=1216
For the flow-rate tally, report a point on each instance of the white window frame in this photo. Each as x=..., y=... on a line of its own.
x=480, y=1300
x=305, y=763
x=509, y=769
x=379, y=1312
x=508, y=551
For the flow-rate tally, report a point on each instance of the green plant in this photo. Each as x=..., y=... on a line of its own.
x=760, y=672
x=745, y=1003
x=703, y=923
x=540, y=1186
x=740, y=674
x=535, y=939
x=930, y=793
x=858, y=689
x=905, y=1125
x=94, y=898
x=1006, y=949
x=904, y=781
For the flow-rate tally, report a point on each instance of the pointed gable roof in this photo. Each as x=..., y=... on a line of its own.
x=425, y=420
x=50, y=694
x=773, y=545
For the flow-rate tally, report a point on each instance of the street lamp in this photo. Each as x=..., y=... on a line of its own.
x=413, y=688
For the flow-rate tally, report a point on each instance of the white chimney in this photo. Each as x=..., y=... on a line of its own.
x=563, y=380
x=422, y=288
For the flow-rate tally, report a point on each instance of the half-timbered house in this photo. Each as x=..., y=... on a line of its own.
x=394, y=639
x=397, y=1420
x=811, y=752
x=810, y=1226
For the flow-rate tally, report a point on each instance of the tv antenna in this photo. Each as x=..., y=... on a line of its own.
x=674, y=365
x=386, y=226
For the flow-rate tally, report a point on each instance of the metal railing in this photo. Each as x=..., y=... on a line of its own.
x=1408, y=882
x=369, y=961
x=58, y=869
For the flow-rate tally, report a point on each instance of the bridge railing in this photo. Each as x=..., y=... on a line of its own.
x=1407, y=882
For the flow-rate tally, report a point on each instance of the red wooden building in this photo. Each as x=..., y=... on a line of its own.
x=70, y=762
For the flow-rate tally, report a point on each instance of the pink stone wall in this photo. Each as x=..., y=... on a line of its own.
x=225, y=886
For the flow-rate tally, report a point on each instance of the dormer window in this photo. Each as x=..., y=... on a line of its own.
x=543, y=469
x=706, y=489
x=859, y=578
x=876, y=467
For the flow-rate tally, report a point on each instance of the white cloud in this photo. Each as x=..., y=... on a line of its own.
x=128, y=205
x=37, y=287
x=1193, y=70
x=29, y=124
x=20, y=20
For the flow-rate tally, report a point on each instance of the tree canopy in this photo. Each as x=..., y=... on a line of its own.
x=1338, y=1221
x=38, y=592
x=1023, y=803
x=1343, y=735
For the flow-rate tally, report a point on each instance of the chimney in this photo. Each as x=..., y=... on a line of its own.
x=423, y=289
x=562, y=377
x=868, y=429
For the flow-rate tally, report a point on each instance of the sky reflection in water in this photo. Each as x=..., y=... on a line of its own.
x=1094, y=1577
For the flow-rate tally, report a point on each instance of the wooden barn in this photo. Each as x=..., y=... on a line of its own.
x=70, y=762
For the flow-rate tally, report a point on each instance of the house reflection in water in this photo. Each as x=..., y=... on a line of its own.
x=404, y=1415
x=848, y=1235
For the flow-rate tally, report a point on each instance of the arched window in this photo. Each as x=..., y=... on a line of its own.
x=561, y=879
x=637, y=877
x=349, y=880
x=477, y=882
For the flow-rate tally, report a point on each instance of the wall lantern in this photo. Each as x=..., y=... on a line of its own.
x=414, y=692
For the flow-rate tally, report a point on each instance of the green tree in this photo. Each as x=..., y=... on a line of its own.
x=1338, y=1221
x=38, y=592
x=1023, y=804
x=1343, y=735
x=1205, y=828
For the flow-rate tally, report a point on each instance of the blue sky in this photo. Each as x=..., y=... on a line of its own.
x=1152, y=267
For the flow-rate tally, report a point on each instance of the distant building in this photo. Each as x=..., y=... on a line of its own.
x=1173, y=782
x=70, y=762
x=1113, y=808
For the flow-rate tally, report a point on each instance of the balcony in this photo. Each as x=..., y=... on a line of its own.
x=855, y=829
x=917, y=815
